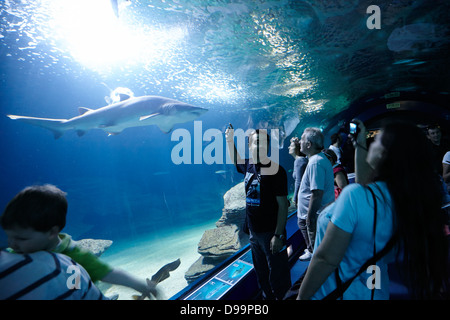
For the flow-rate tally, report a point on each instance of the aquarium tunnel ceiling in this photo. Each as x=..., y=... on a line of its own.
x=300, y=61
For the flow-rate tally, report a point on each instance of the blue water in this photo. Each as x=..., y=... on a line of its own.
x=126, y=186
x=280, y=65
x=117, y=186
x=122, y=186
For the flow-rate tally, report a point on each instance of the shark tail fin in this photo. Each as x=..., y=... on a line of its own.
x=54, y=125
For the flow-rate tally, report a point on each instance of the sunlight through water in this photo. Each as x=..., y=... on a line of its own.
x=97, y=39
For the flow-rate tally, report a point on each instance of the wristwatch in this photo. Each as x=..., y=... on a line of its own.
x=280, y=236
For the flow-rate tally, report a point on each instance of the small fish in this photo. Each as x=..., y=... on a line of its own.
x=161, y=275
x=220, y=171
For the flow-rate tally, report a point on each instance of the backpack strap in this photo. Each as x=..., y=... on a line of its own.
x=342, y=287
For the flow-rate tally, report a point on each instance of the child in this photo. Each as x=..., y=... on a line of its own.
x=33, y=220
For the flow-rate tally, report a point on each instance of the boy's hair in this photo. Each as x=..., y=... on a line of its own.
x=36, y=207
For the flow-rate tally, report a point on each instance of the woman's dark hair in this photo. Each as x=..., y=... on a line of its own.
x=36, y=207
x=296, y=142
x=414, y=188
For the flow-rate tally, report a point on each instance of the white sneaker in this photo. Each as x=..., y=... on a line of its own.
x=306, y=256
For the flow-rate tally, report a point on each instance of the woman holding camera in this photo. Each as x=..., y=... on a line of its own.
x=395, y=203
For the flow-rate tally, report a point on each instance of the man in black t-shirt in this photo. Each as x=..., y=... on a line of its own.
x=266, y=213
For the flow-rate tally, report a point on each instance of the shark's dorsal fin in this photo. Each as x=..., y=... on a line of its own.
x=149, y=116
x=83, y=110
x=124, y=96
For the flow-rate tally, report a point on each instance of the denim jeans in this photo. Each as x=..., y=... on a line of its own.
x=272, y=270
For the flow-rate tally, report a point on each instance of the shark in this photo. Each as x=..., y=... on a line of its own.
x=126, y=113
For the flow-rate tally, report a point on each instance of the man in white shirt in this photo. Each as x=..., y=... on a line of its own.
x=316, y=189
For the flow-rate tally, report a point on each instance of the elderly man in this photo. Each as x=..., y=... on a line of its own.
x=316, y=189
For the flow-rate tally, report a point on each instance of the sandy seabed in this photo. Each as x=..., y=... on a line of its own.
x=146, y=255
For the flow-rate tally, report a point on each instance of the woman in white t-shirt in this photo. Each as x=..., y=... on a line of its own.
x=408, y=201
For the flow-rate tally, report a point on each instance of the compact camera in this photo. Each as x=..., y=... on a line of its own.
x=353, y=129
x=350, y=128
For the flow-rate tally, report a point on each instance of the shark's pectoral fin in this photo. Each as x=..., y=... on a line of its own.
x=166, y=128
x=83, y=110
x=149, y=116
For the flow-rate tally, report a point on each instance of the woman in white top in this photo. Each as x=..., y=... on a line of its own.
x=408, y=201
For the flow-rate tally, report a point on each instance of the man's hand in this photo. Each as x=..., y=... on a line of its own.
x=360, y=139
x=229, y=133
x=276, y=244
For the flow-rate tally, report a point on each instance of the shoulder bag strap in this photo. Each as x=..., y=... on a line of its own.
x=342, y=287
x=374, y=231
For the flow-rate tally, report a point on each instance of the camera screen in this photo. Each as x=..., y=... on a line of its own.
x=352, y=128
